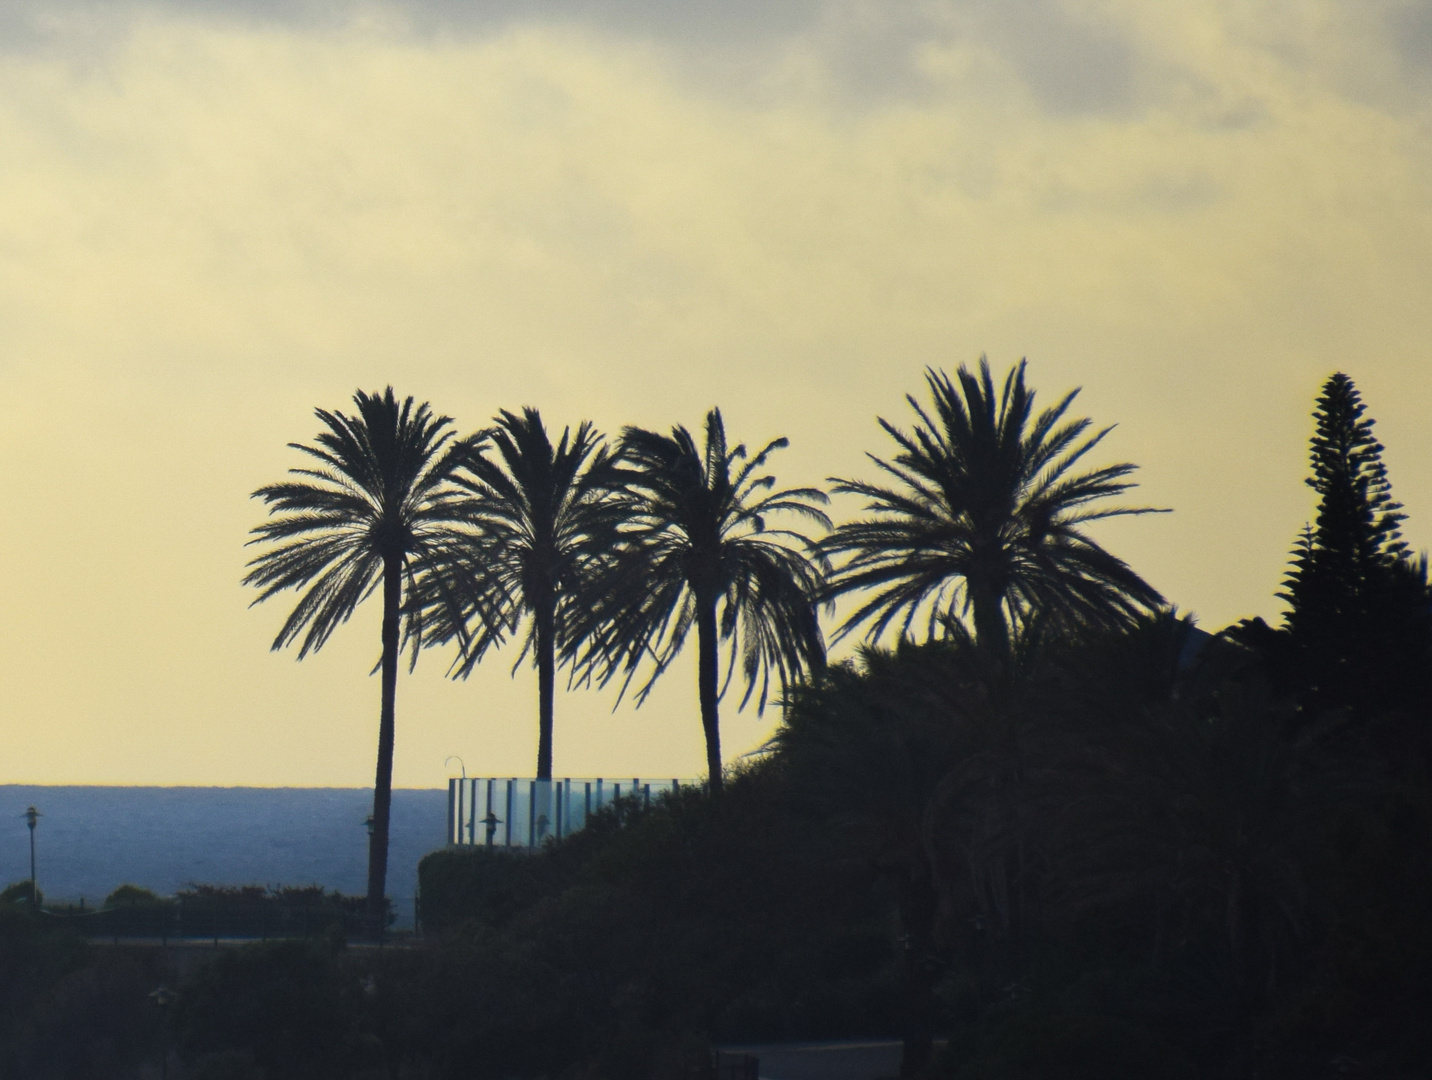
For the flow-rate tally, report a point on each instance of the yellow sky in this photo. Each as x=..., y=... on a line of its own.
x=215, y=217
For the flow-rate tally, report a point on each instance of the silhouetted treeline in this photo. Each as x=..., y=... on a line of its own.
x=1121, y=856
x=610, y=556
x=1072, y=837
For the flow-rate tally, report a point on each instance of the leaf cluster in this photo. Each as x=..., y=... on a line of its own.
x=378, y=496
x=985, y=516
x=696, y=536
x=616, y=553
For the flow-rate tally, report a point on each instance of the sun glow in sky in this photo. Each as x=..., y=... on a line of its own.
x=217, y=216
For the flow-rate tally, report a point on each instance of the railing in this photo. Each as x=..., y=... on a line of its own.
x=513, y=812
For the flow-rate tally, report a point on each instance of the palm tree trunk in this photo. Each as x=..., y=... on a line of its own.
x=545, y=618
x=991, y=631
x=706, y=680
x=383, y=781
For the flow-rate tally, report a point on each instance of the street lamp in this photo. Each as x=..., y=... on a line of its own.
x=372, y=828
x=31, y=816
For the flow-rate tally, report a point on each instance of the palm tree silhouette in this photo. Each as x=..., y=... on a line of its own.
x=541, y=520
x=379, y=496
x=985, y=518
x=696, y=549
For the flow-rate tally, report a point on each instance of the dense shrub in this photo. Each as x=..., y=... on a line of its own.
x=68, y=1009
x=131, y=896
x=22, y=892
x=654, y=931
x=267, y=911
x=290, y=1006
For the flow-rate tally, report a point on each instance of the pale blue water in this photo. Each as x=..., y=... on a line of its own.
x=93, y=839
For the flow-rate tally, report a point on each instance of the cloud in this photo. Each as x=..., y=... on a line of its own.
x=1409, y=25
x=1072, y=60
x=212, y=221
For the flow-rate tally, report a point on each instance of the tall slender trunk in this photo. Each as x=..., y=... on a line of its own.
x=706, y=680
x=545, y=618
x=383, y=780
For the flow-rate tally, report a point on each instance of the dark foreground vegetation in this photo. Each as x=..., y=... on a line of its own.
x=211, y=911
x=1063, y=830
x=1128, y=856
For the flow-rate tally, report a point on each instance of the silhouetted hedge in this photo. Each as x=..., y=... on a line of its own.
x=220, y=911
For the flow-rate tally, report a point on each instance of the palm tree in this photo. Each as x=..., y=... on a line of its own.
x=379, y=496
x=985, y=517
x=541, y=520
x=696, y=549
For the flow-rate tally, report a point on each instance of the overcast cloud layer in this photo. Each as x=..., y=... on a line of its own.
x=215, y=217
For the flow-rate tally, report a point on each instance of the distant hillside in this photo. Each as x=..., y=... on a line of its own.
x=92, y=839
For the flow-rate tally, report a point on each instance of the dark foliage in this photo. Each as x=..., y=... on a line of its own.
x=985, y=518
x=1358, y=630
x=131, y=896
x=654, y=931
x=209, y=911
x=488, y=884
x=22, y=892
x=289, y=1006
x=539, y=527
x=69, y=1010
x=1116, y=857
x=265, y=911
x=868, y=750
x=698, y=549
x=1110, y=856
x=376, y=499
x=1110, y=847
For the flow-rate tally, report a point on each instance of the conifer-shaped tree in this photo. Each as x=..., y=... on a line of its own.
x=1357, y=540
x=1358, y=618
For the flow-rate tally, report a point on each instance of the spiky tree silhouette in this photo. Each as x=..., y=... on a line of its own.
x=541, y=522
x=985, y=518
x=1358, y=535
x=1357, y=600
x=696, y=550
x=378, y=495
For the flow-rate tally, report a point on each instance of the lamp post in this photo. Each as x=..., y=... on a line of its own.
x=371, y=827
x=31, y=816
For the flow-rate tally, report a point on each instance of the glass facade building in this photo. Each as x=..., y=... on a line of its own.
x=515, y=812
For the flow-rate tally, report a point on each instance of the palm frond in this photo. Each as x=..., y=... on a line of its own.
x=383, y=492
x=696, y=533
x=980, y=514
x=538, y=519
